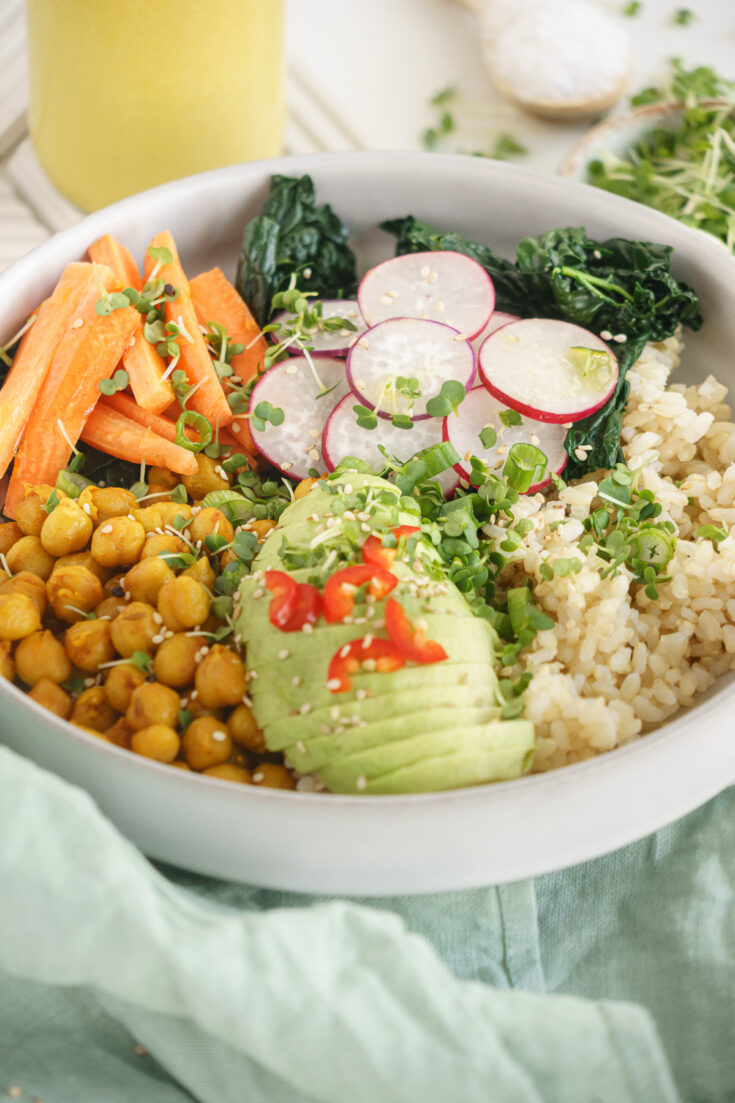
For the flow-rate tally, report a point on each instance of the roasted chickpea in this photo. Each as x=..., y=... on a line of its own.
x=114, y=586
x=7, y=666
x=183, y=603
x=303, y=488
x=67, y=529
x=161, y=492
x=201, y=571
x=4, y=577
x=157, y=741
x=197, y=709
x=134, y=629
x=145, y=579
x=181, y=766
x=52, y=697
x=88, y=644
x=10, y=533
x=227, y=557
x=153, y=704
x=220, y=678
x=118, y=542
x=29, y=512
x=84, y=559
x=41, y=656
x=208, y=522
x=271, y=775
x=121, y=681
x=206, y=742
x=163, y=478
x=244, y=730
x=18, y=617
x=120, y=733
x=228, y=771
x=72, y=592
x=260, y=528
x=206, y=479
x=110, y=607
x=29, y=554
x=161, y=514
x=106, y=502
x=93, y=710
x=165, y=546
x=29, y=584
x=174, y=663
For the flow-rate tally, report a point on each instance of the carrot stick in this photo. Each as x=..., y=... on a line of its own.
x=108, y=250
x=195, y=360
x=120, y=436
x=216, y=300
x=84, y=357
x=35, y=353
x=129, y=408
x=141, y=360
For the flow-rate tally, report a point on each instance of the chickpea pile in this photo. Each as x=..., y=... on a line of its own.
x=103, y=628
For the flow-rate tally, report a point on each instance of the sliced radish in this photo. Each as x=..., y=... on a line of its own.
x=497, y=319
x=344, y=437
x=547, y=369
x=442, y=287
x=295, y=446
x=481, y=410
x=336, y=342
x=430, y=352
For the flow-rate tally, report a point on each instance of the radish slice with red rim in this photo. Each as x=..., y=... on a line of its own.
x=400, y=364
x=497, y=319
x=327, y=342
x=343, y=437
x=294, y=445
x=441, y=287
x=479, y=411
x=548, y=369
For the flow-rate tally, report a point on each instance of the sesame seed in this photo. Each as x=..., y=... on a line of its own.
x=369, y=665
x=14, y=1091
x=361, y=782
x=386, y=300
x=334, y=711
x=194, y=694
x=219, y=736
x=606, y=335
x=296, y=681
x=314, y=433
x=597, y=254
x=305, y=708
x=468, y=456
x=157, y=639
x=501, y=450
x=425, y=271
x=361, y=694
x=439, y=306
x=580, y=454
x=284, y=653
x=313, y=453
x=291, y=369
x=308, y=629
x=621, y=338
x=364, y=343
x=235, y=427
x=301, y=746
x=364, y=526
x=534, y=439
x=77, y=323
x=367, y=641
x=106, y=528
x=566, y=425
x=460, y=337
x=89, y=682
x=86, y=508
x=257, y=594
x=260, y=776
x=157, y=618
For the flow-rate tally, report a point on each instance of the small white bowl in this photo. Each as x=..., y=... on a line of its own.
x=308, y=842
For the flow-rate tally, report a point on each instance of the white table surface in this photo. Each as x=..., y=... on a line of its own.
x=361, y=76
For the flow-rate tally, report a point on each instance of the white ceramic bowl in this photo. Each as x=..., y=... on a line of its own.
x=428, y=842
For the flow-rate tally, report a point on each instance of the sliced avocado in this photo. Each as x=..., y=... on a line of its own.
x=417, y=728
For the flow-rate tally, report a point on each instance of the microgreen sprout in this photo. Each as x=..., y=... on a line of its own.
x=488, y=436
x=264, y=412
x=448, y=401
x=118, y=382
x=510, y=417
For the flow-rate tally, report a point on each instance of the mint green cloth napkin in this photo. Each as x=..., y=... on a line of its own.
x=607, y=983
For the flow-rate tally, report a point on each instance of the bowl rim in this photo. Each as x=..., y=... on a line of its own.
x=673, y=732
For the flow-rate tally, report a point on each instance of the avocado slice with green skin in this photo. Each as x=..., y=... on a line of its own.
x=415, y=729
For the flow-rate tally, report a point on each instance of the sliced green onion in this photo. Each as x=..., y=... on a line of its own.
x=438, y=458
x=653, y=546
x=525, y=466
x=71, y=482
x=517, y=608
x=199, y=423
x=353, y=463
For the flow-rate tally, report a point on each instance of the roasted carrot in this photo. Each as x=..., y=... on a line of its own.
x=195, y=360
x=216, y=300
x=129, y=408
x=141, y=360
x=35, y=353
x=108, y=250
x=120, y=436
x=84, y=357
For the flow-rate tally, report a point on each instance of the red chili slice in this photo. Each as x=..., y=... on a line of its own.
x=339, y=592
x=285, y=592
x=374, y=553
x=410, y=641
x=382, y=655
x=293, y=604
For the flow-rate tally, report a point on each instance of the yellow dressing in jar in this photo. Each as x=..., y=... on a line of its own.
x=126, y=96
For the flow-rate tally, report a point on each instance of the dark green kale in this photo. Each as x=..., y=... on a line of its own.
x=293, y=234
